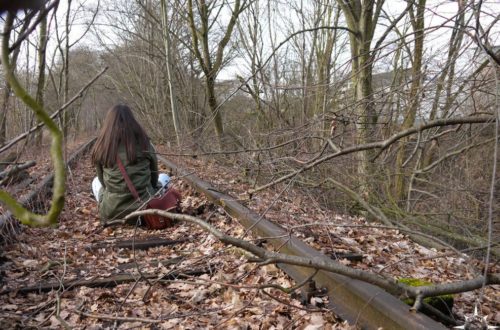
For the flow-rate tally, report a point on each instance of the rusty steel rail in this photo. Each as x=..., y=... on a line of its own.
x=356, y=301
x=36, y=199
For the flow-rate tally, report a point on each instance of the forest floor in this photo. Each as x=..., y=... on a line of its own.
x=200, y=283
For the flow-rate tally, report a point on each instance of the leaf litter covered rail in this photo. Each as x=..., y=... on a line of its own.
x=353, y=300
x=385, y=250
x=229, y=293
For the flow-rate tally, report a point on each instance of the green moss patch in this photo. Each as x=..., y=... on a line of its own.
x=443, y=303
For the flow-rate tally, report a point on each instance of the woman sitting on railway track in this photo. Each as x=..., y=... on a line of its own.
x=122, y=136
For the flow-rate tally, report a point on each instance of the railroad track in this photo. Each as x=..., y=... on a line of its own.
x=36, y=199
x=355, y=301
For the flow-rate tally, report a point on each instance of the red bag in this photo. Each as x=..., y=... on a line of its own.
x=168, y=202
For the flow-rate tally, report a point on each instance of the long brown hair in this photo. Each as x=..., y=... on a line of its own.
x=119, y=127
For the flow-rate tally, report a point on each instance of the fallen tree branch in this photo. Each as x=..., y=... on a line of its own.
x=144, y=320
x=138, y=244
x=269, y=257
x=123, y=318
x=154, y=263
x=102, y=282
x=7, y=174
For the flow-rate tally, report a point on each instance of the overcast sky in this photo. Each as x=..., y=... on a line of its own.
x=437, y=14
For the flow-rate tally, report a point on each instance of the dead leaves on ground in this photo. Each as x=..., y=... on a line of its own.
x=226, y=295
x=389, y=252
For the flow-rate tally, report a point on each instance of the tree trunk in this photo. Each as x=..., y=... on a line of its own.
x=3, y=112
x=448, y=71
x=361, y=18
x=367, y=119
x=324, y=58
x=41, y=73
x=211, y=64
x=409, y=119
x=216, y=113
x=67, y=114
x=168, y=62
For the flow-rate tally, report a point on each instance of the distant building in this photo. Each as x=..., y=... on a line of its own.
x=483, y=87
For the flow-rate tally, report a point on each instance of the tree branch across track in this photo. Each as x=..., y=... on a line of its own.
x=59, y=258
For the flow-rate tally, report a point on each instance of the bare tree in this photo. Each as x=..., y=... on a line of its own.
x=361, y=17
x=201, y=22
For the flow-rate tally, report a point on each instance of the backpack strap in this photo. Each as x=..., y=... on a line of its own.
x=130, y=185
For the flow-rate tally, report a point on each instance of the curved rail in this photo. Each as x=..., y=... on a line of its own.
x=353, y=300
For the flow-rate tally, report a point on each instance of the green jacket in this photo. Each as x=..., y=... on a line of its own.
x=115, y=199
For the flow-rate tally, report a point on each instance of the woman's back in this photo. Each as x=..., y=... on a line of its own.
x=123, y=137
x=116, y=200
